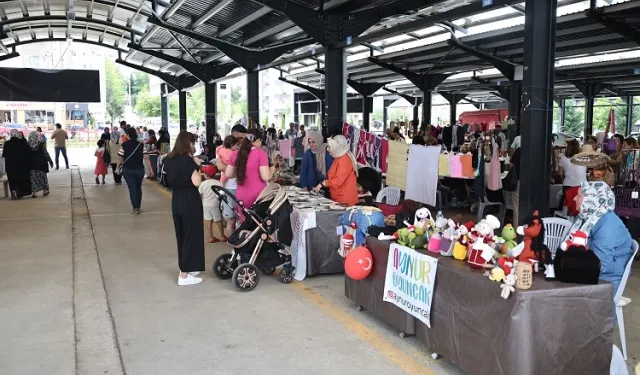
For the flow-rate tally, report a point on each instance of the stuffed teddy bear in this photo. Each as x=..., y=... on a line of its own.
x=483, y=242
x=578, y=238
x=507, y=287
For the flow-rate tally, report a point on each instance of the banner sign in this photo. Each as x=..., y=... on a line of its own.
x=410, y=281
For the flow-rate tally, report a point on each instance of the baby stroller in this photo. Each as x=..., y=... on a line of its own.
x=254, y=243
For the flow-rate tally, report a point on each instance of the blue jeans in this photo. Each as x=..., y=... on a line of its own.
x=64, y=155
x=134, y=178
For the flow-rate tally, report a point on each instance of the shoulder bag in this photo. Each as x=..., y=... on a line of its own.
x=119, y=169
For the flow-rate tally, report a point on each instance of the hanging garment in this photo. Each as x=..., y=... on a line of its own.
x=285, y=148
x=443, y=165
x=455, y=166
x=454, y=136
x=397, y=160
x=361, y=148
x=352, y=136
x=467, y=165
x=422, y=174
x=494, y=178
x=384, y=154
x=447, y=136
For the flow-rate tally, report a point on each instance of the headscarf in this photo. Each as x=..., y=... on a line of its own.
x=598, y=200
x=340, y=146
x=34, y=139
x=115, y=136
x=14, y=133
x=320, y=152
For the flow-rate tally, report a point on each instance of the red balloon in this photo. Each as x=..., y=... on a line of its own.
x=359, y=263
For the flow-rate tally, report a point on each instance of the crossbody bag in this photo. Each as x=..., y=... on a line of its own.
x=119, y=169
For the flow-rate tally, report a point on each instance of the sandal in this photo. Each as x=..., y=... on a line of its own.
x=46, y=192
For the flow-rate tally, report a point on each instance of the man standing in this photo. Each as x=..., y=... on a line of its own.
x=292, y=132
x=60, y=144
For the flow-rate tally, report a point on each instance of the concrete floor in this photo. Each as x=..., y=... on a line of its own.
x=88, y=288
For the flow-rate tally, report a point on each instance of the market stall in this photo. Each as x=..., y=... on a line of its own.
x=552, y=328
x=315, y=242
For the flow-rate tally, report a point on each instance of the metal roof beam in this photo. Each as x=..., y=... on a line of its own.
x=65, y=18
x=137, y=12
x=20, y=43
x=272, y=31
x=9, y=56
x=425, y=82
x=318, y=93
x=112, y=10
x=413, y=100
x=510, y=70
x=245, y=21
x=628, y=32
x=169, y=79
x=45, y=7
x=210, y=13
x=25, y=10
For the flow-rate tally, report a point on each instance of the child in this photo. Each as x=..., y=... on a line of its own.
x=101, y=166
x=211, y=203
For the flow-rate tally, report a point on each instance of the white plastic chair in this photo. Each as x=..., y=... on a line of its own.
x=556, y=230
x=392, y=195
x=621, y=301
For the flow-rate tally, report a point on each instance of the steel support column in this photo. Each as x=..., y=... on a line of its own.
x=367, y=108
x=515, y=103
x=296, y=108
x=627, y=130
x=182, y=107
x=253, y=97
x=588, y=115
x=211, y=110
x=453, y=112
x=416, y=113
x=335, y=89
x=164, y=106
x=562, y=107
x=385, y=112
x=537, y=128
x=427, y=100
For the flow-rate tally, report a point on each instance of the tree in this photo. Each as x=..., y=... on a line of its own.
x=139, y=82
x=148, y=105
x=238, y=104
x=115, y=91
x=195, y=105
x=573, y=118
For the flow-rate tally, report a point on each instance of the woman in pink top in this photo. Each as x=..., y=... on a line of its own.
x=250, y=166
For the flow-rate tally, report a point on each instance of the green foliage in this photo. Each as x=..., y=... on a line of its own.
x=196, y=105
x=139, y=82
x=601, y=109
x=573, y=118
x=147, y=105
x=115, y=86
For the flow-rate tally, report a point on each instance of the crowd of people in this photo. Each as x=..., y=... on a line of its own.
x=27, y=163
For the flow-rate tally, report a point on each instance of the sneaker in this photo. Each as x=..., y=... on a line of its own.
x=196, y=273
x=189, y=280
x=136, y=211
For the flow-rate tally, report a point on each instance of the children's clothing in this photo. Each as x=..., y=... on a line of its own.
x=210, y=201
x=101, y=166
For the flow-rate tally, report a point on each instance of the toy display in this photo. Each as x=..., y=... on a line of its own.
x=435, y=240
x=461, y=244
x=507, y=287
x=533, y=250
x=449, y=236
x=578, y=238
x=482, y=242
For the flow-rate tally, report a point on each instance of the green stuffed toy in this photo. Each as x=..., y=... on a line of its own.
x=509, y=235
x=419, y=242
x=403, y=237
x=414, y=240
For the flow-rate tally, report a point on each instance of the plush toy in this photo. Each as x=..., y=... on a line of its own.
x=578, y=238
x=507, y=264
x=497, y=274
x=509, y=236
x=482, y=241
x=448, y=238
x=533, y=249
x=461, y=243
x=423, y=218
x=507, y=287
x=436, y=238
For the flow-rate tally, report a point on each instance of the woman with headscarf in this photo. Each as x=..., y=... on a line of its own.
x=113, y=145
x=315, y=162
x=164, y=141
x=343, y=174
x=39, y=165
x=17, y=156
x=609, y=239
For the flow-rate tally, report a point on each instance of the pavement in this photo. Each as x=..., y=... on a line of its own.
x=88, y=288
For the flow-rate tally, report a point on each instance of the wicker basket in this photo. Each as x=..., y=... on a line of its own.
x=524, y=275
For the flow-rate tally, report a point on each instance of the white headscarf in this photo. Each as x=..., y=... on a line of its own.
x=339, y=146
x=598, y=200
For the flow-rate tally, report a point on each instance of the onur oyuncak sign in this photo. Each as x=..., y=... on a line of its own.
x=410, y=280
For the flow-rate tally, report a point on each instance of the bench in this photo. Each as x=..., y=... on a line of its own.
x=5, y=185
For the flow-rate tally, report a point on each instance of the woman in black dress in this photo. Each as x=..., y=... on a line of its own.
x=39, y=165
x=17, y=156
x=182, y=171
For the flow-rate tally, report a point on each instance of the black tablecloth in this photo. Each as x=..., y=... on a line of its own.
x=551, y=329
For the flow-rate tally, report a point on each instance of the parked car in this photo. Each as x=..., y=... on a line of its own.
x=6, y=128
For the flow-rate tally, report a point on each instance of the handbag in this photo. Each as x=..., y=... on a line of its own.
x=106, y=155
x=120, y=167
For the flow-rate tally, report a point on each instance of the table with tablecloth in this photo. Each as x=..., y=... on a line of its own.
x=552, y=328
x=314, y=249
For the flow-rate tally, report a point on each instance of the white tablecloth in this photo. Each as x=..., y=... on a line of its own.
x=301, y=221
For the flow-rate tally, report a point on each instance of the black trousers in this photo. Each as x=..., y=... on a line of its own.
x=186, y=207
x=116, y=177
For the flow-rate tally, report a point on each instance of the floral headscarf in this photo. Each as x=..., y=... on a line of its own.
x=34, y=140
x=14, y=133
x=598, y=201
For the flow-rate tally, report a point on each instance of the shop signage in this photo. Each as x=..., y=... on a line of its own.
x=410, y=281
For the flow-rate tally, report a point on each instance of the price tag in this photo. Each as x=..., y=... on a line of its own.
x=634, y=195
x=339, y=230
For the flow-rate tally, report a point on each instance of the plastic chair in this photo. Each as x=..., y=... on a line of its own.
x=484, y=202
x=556, y=230
x=392, y=195
x=621, y=301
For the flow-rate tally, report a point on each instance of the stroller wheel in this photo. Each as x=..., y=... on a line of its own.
x=269, y=271
x=223, y=267
x=286, y=277
x=246, y=277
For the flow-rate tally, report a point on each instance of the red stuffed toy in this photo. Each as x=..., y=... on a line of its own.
x=579, y=238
